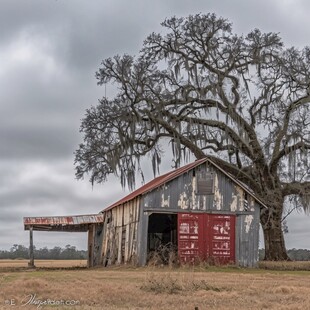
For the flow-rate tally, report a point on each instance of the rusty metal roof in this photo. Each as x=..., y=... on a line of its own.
x=174, y=174
x=62, y=223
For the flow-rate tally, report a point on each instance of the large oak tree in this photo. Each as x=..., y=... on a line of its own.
x=243, y=100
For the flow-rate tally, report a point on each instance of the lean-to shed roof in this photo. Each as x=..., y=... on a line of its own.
x=62, y=223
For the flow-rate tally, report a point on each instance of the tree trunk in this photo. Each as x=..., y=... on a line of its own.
x=273, y=235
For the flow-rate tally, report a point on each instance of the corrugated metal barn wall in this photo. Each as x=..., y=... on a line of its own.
x=119, y=234
x=247, y=238
x=180, y=194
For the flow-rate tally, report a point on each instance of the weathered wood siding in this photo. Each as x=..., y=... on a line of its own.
x=119, y=234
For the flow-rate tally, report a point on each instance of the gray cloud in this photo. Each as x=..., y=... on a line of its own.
x=47, y=189
x=49, y=52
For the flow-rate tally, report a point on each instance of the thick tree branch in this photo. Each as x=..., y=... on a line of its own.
x=288, y=150
x=240, y=174
x=296, y=188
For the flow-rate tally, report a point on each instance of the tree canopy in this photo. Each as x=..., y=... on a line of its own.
x=242, y=100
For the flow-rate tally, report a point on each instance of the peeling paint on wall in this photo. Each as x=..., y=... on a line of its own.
x=234, y=203
x=248, y=221
x=240, y=198
x=204, y=206
x=182, y=202
x=251, y=203
x=194, y=204
x=165, y=202
x=218, y=197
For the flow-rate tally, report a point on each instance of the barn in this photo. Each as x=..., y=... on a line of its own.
x=199, y=211
x=199, y=208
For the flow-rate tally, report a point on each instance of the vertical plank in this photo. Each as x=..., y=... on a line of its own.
x=127, y=244
x=119, y=214
x=138, y=207
x=104, y=237
x=114, y=216
x=106, y=240
x=31, y=254
x=119, y=247
x=126, y=213
x=142, y=238
x=112, y=246
x=90, y=259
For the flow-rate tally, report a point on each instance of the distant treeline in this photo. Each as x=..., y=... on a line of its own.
x=294, y=254
x=70, y=252
x=19, y=251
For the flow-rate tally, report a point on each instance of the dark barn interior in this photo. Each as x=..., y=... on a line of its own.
x=162, y=236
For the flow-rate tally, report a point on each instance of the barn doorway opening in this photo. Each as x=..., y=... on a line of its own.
x=162, y=238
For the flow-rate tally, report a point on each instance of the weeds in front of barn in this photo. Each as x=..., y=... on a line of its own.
x=172, y=284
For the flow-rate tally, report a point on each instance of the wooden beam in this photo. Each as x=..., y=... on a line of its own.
x=31, y=254
x=90, y=260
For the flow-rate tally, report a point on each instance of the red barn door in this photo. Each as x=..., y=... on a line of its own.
x=220, y=238
x=190, y=245
x=206, y=236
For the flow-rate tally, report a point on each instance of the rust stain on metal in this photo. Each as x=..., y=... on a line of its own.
x=64, y=220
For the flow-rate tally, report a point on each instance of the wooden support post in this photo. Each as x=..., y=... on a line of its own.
x=31, y=255
x=90, y=260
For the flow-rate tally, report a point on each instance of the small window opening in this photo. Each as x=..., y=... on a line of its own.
x=205, y=184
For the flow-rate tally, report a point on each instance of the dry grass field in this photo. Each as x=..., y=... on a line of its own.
x=153, y=288
x=41, y=263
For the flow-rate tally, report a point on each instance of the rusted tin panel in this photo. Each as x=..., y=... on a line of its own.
x=64, y=220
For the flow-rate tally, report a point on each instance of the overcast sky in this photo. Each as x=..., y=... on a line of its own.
x=49, y=52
